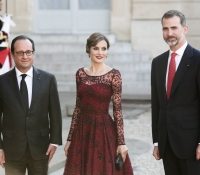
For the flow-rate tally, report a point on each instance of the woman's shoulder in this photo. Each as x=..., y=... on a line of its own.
x=80, y=71
x=116, y=72
x=112, y=70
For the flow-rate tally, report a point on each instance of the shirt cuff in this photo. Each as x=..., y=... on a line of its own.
x=155, y=144
x=56, y=145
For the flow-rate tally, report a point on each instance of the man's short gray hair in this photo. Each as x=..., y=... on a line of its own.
x=172, y=13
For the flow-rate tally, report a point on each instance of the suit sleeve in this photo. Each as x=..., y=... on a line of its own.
x=154, y=104
x=55, y=116
x=1, y=108
x=198, y=82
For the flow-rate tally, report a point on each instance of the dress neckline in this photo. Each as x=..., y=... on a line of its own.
x=97, y=75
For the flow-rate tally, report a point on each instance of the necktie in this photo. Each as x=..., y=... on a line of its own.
x=24, y=91
x=171, y=74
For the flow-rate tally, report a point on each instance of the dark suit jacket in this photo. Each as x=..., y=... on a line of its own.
x=179, y=117
x=37, y=128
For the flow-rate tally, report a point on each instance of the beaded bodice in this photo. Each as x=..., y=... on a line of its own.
x=93, y=97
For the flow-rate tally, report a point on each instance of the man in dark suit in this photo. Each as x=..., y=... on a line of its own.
x=175, y=83
x=31, y=122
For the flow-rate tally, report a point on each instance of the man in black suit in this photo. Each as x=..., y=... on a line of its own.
x=31, y=122
x=175, y=83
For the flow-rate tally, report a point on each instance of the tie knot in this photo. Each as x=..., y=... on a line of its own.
x=23, y=76
x=173, y=54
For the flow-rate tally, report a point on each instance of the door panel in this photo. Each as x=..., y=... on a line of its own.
x=72, y=16
x=51, y=16
x=53, y=4
x=94, y=4
x=93, y=16
x=88, y=22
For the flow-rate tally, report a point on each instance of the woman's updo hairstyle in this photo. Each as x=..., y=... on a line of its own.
x=94, y=39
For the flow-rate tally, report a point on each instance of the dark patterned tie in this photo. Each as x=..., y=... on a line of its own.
x=24, y=91
x=171, y=74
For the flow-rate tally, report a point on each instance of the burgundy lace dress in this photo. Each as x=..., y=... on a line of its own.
x=94, y=135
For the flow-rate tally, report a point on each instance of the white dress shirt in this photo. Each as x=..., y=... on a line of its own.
x=28, y=80
x=29, y=84
x=178, y=58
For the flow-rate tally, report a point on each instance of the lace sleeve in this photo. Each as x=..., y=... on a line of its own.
x=117, y=110
x=76, y=110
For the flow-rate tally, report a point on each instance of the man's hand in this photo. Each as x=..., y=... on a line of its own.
x=198, y=153
x=156, y=153
x=2, y=158
x=51, y=150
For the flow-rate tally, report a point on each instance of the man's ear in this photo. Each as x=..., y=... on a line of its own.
x=185, y=29
x=12, y=55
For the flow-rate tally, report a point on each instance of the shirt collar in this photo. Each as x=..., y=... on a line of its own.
x=181, y=50
x=28, y=73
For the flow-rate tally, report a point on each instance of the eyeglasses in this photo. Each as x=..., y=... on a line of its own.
x=28, y=53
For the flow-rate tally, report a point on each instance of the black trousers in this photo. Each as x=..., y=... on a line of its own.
x=175, y=166
x=34, y=167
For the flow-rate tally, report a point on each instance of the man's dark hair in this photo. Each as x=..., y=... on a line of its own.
x=172, y=13
x=21, y=37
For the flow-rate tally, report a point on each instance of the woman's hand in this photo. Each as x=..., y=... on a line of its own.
x=66, y=148
x=123, y=150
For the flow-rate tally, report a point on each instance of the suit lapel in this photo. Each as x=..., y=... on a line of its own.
x=36, y=86
x=163, y=71
x=14, y=85
x=183, y=67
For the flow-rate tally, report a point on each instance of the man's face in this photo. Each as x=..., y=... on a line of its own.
x=23, y=62
x=173, y=31
x=1, y=4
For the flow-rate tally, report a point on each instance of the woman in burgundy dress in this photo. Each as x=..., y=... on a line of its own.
x=95, y=138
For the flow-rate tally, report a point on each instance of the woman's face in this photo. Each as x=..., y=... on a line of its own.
x=99, y=52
